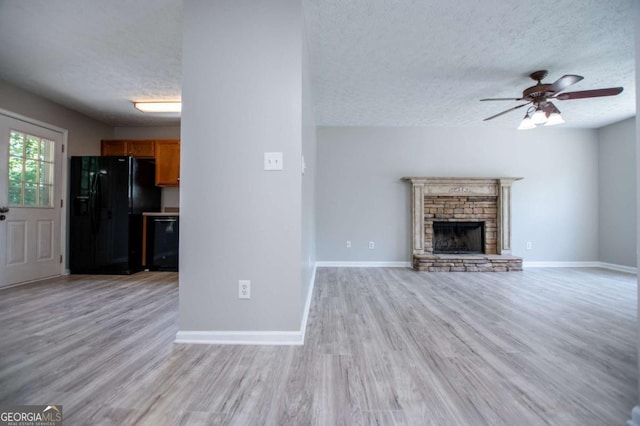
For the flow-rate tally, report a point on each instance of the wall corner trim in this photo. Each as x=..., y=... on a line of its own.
x=271, y=338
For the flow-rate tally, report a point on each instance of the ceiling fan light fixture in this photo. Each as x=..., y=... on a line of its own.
x=553, y=115
x=539, y=117
x=554, y=118
x=173, y=106
x=527, y=123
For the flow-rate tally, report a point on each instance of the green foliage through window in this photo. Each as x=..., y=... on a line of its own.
x=31, y=164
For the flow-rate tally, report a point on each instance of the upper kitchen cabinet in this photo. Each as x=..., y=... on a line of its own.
x=168, y=162
x=135, y=148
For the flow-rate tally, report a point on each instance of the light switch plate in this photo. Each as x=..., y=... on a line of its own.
x=273, y=161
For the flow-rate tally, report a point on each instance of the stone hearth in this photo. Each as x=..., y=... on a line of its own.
x=486, y=200
x=466, y=263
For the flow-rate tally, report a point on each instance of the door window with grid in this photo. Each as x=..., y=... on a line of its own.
x=31, y=170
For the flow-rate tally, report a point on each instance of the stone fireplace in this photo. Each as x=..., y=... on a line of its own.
x=462, y=224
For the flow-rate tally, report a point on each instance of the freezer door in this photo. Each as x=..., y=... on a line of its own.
x=144, y=194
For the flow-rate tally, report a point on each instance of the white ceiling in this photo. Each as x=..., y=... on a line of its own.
x=373, y=62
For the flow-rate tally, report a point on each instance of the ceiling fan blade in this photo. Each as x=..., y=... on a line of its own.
x=506, y=111
x=563, y=82
x=611, y=91
x=501, y=99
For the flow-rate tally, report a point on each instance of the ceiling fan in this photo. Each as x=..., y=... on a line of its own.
x=542, y=110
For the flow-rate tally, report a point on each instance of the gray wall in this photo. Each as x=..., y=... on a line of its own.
x=309, y=177
x=617, y=193
x=84, y=133
x=241, y=97
x=361, y=198
x=170, y=196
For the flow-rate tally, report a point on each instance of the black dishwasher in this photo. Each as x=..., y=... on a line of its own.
x=162, y=243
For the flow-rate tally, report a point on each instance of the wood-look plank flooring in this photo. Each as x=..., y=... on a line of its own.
x=383, y=346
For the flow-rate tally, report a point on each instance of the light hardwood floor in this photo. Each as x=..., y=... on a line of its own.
x=383, y=346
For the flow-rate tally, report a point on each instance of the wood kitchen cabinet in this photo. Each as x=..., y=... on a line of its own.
x=168, y=162
x=144, y=148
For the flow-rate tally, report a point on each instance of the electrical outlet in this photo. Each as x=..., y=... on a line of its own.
x=273, y=161
x=529, y=245
x=348, y=243
x=244, y=289
x=372, y=245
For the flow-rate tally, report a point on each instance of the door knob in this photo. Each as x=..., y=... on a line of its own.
x=4, y=209
x=2, y=217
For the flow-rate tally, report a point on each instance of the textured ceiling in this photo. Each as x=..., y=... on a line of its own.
x=427, y=63
x=95, y=56
x=373, y=62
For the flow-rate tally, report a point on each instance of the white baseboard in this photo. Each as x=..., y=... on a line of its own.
x=289, y=338
x=592, y=264
x=526, y=264
x=340, y=264
x=589, y=264
x=620, y=268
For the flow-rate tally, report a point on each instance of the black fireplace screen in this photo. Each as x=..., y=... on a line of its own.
x=458, y=237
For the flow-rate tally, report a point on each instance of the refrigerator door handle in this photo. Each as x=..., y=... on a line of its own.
x=98, y=202
x=94, y=203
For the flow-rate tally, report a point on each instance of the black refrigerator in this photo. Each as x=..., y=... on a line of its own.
x=108, y=196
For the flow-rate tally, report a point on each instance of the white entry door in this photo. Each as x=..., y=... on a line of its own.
x=30, y=197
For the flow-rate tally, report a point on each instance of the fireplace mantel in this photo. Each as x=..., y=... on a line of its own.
x=498, y=187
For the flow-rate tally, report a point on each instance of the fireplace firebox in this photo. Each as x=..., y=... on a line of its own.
x=458, y=237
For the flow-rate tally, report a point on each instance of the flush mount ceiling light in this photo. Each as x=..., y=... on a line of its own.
x=173, y=106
